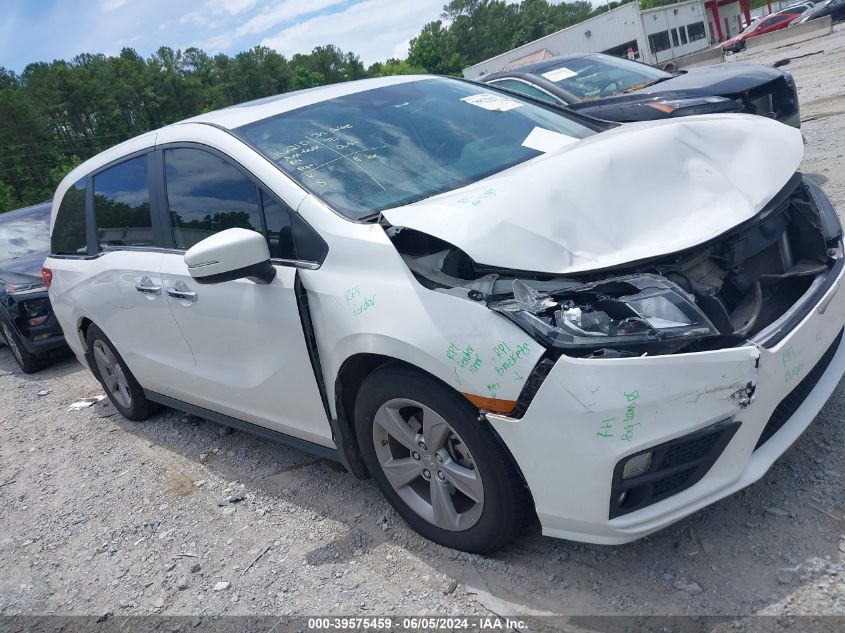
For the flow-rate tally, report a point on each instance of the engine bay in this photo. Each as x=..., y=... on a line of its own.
x=719, y=294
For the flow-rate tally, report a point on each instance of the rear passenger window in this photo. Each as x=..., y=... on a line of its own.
x=205, y=194
x=69, y=229
x=122, y=205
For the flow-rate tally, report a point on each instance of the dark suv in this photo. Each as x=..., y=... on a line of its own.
x=27, y=322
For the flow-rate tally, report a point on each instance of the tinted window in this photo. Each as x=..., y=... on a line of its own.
x=393, y=145
x=696, y=31
x=524, y=89
x=24, y=232
x=205, y=194
x=659, y=41
x=122, y=205
x=279, y=231
x=288, y=235
x=69, y=229
x=683, y=33
x=675, y=40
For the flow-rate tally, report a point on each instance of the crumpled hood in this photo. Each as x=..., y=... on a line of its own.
x=724, y=80
x=637, y=191
x=716, y=79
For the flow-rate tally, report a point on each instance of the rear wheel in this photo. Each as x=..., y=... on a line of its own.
x=445, y=473
x=27, y=361
x=108, y=367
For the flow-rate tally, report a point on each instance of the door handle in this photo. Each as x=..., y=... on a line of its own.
x=182, y=292
x=147, y=286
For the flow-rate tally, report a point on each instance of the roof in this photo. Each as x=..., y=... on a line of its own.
x=236, y=116
x=538, y=67
x=251, y=111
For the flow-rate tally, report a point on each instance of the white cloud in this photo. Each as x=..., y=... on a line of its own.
x=282, y=12
x=400, y=51
x=374, y=29
x=111, y=5
x=232, y=7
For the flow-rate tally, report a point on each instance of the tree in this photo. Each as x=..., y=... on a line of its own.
x=394, y=67
x=7, y=198
x=432, y=50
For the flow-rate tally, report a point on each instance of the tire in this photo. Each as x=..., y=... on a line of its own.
x=27, y=361
x=473, y=498
x=109, y=368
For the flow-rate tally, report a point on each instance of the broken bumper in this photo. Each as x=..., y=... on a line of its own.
x=589, y=415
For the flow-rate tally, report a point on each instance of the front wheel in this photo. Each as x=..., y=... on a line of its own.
x=445, y=473
x=28, y=362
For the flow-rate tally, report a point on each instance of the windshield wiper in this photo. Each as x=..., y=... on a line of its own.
x=646, y=84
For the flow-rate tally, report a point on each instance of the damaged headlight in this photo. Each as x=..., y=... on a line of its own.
x=695, y=105
x=831, y=226
x=620, y=311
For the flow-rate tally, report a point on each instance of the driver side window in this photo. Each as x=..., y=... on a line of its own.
x=207, y=194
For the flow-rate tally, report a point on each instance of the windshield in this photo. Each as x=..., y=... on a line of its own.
x=595, y=76
x=394, y=145
x=23, y=232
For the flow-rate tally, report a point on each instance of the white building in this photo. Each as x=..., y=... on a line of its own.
x=653, y=36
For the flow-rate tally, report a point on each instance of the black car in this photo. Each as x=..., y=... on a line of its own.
x=834, y=8
x=27, y=322
x=618, y=89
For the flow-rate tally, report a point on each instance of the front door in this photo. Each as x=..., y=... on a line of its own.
x=252, y=362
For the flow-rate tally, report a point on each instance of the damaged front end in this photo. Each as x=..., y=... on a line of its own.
x=738, y=287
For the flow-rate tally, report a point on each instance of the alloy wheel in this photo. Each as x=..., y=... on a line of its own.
x=112, y=374
x=11, y=342
x=427, y=464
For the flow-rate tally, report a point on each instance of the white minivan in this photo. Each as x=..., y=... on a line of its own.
x=495, y=308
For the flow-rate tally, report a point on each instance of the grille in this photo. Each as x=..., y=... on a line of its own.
x=690, y=451
x=789, y=405
x=671, y=483
x=675, y=466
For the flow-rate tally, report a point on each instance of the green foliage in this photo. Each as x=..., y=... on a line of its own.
x=56, y=114
x=6, y=198
x=394, y=67
x=653, y=4
x=474, y=30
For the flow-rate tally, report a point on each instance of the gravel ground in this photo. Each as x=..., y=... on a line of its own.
x=100, y=514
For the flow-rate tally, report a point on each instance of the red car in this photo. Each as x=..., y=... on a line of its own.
x=770, y=23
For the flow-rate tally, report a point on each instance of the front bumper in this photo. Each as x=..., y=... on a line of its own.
x=589, y=414
x=37, y=339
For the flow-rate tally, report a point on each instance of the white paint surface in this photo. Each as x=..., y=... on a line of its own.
x=640, y=190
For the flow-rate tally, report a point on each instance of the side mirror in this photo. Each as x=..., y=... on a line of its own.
x=230, y=254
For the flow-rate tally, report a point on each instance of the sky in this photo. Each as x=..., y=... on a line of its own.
x=44, y=30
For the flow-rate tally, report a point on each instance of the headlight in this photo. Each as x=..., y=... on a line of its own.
x=831, y=226
x=695, y=105
x=12, y=288
x=627, y=310
x=37, y=311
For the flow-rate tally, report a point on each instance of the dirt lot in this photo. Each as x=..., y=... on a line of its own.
x=100, y=514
